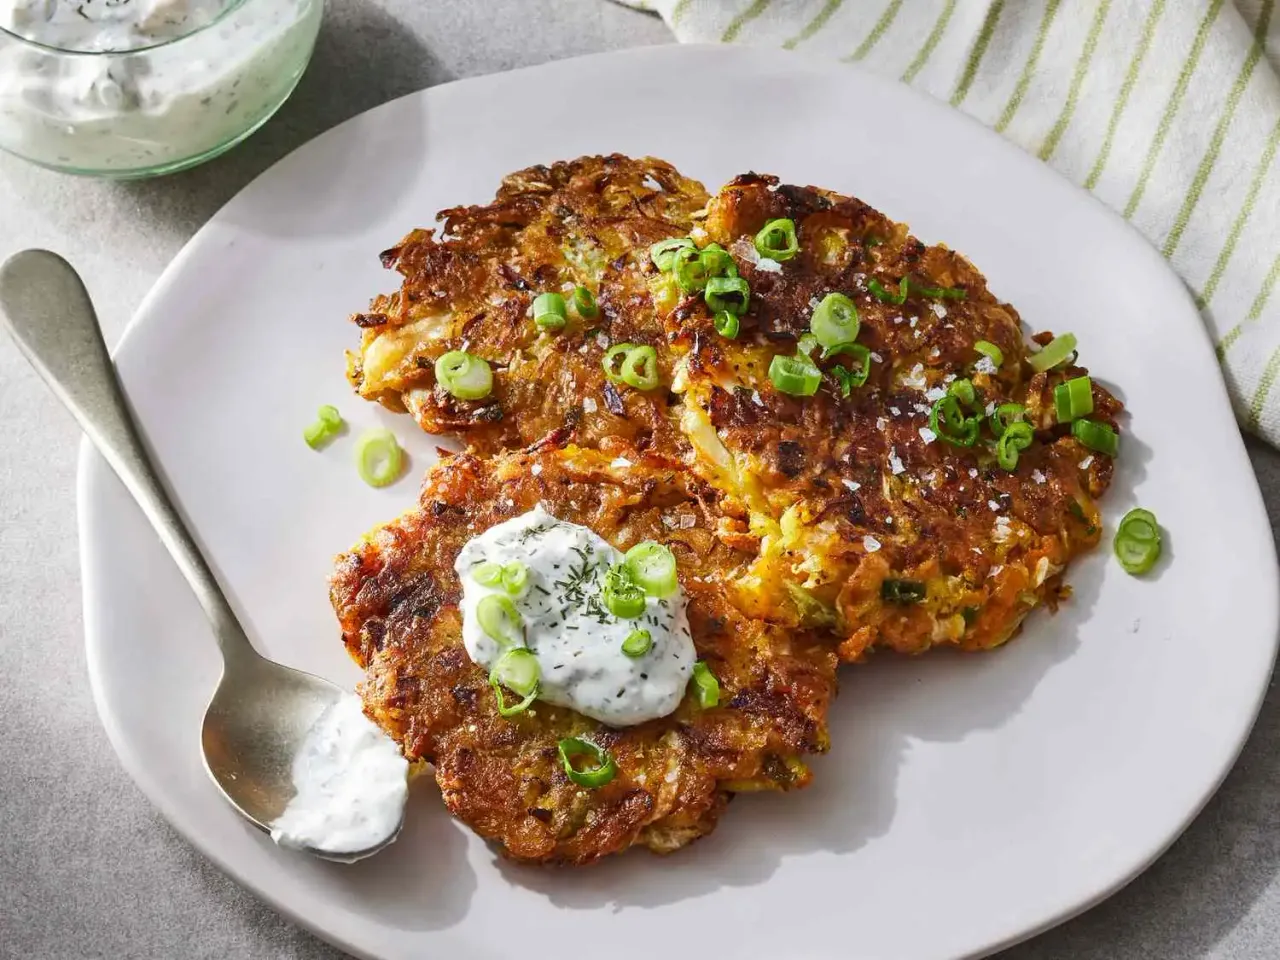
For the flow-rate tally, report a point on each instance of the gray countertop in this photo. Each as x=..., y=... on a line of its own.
x=87, y=868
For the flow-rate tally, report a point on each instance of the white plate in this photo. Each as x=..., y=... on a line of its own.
x=967, y=801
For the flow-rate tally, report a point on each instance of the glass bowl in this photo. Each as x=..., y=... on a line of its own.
x=156, y=109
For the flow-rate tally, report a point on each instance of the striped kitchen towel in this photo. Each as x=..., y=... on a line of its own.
x=1167, y=110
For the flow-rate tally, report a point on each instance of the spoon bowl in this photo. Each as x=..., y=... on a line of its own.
x=261, y=711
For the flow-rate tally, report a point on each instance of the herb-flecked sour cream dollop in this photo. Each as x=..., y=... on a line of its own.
x=576, y=640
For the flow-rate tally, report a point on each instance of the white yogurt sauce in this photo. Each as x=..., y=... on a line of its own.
x=151, y=107
x=577, y=642
x=351, y=782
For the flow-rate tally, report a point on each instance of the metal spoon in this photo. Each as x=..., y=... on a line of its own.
x=260, y=711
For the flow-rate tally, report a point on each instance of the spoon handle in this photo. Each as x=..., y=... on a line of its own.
x=46, y=308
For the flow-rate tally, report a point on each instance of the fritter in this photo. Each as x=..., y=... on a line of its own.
x=588, y=222
x=396, y=595
x=865, y=518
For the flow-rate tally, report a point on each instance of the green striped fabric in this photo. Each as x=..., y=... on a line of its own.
x=1167, y=110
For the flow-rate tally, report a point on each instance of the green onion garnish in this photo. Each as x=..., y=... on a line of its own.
x=663, y=252
x=637, y=643
x=963, y=391
x=549, y=311
x=835, y=320
x=515, y=579
x=1096, y=436
x=613, y=360
x=487, y=574
x=622, y=596
x=777, y=240
x=727, y=325
x=327, y=426
x=1137, y=541
x=640, y=368
x=500, y=620
x=1055, y=352
x=584, y=301
x=601, y=772
x=1016, y=438
x=717, y=261
x=689, y=269
x=881, y=293
x=464, y=375
x=989, y=349
x=1073, y=399
x=379, y=458
x=653, y=567
x=1005, y=415
x=902, y=592
x=728, y=294
x=948, y=421
x=862, y=354
x=516, y=670
x=707, y=687
x=798, y=376
x=942, y=293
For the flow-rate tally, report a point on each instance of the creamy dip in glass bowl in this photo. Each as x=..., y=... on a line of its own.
x=138, y=88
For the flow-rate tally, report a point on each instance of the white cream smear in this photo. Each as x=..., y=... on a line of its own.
x=155, y=106
x=577, y=642
x=351, y=782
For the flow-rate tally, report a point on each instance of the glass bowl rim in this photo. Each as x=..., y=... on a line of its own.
x=223, y=14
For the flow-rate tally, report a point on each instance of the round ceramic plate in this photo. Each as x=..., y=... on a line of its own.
x=967, y=802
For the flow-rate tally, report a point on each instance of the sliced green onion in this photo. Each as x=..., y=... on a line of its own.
x=706, y=686
x=727, y=325
x=1073, y=399
x=464, y=375
x=1016, y=438
x=487, y=574
x=777, y=240
x=653, y=567
x=637, y=643
x=881, y=293
x=1096, y=436
x=807, y=344
x=515, y=579
x=862, y=354
x=902, y=592
x=584, y=301
x=603, y=768
x=327, y=425
x=989, y=349
x=798, y=376
x=1057, y=350
x=948, y=421
x=942, y=293
x=516, y=670
x=664, y=251
x=500, y=620
x=843, y=379
x=1004, y=416
x=379, y=458
x=730, y=294
x=963, y=391
x=689, y=269
x=614, y=357
x=717, y=261
x=1137, y=542
x=549, y=311
x=835, y=320
x=622, y=596
x=640, y=368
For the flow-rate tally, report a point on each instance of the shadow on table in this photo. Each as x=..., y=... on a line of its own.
x=1198, y=892
x=363, y=58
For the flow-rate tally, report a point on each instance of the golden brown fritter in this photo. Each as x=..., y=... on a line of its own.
x=844, y=494
x=588, y=222
x=396, y=595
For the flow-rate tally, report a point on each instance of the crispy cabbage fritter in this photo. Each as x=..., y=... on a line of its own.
x=396, y=595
